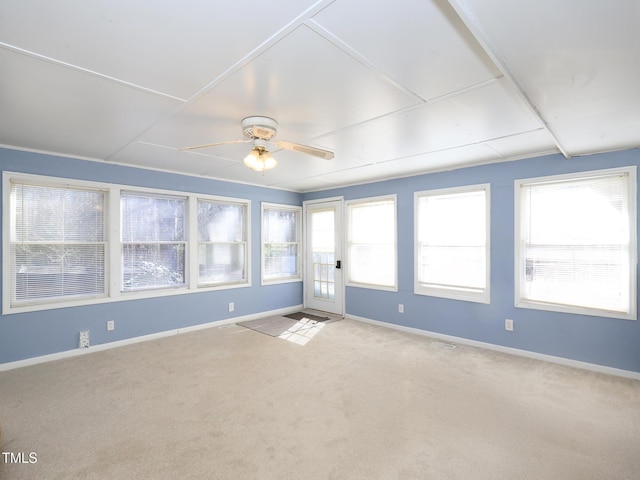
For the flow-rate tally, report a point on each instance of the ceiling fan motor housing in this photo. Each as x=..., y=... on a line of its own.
x=263, y=128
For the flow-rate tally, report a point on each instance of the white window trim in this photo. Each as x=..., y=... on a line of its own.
x=633, y=245
x=278, y=206
x=454, y=293
x=114, y=293
x=196, y=243
x=185, y=242
x=372, y=286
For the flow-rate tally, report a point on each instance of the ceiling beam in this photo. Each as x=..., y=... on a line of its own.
x=478, y=33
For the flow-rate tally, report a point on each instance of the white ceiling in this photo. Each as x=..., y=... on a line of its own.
x=394, y=87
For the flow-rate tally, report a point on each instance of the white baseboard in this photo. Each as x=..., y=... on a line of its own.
x=144, y=338
x=499, y=348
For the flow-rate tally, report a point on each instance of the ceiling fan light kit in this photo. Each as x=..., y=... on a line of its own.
x=261, y=131
x=259, y=160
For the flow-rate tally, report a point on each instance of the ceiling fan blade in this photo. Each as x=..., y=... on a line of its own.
x=296, y=147
x=215, y=144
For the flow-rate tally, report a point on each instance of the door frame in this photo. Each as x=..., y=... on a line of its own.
x=307, y=287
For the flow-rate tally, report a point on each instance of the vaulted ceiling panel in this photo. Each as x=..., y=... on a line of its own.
x=577, y=61
x=309, y=85
x=481, y=114
x=421, y=45
x=164, y=158
x=169, y=47
x=393, y=88
x=54, y=108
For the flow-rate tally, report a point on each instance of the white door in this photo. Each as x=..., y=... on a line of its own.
x=323, y=283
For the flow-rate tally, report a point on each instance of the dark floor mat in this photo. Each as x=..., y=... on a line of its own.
x=301, y=315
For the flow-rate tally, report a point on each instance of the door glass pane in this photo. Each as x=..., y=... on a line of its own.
x=323, y=246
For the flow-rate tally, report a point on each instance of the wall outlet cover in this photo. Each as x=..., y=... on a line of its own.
x=84, y=339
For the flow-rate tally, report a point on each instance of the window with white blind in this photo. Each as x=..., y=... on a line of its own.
x=57, y=243
x=371, y=254
x=74, y=242
x=452, y=243
x=153, y=241
x=222, y=243
x=576, y=243
x=280, y=243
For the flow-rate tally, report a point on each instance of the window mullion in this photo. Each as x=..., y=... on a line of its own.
x=114, y=256
x=192, y=243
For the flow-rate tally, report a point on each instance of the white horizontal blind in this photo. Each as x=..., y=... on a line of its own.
x=222, y=243
x=372, y=242
x=57, y=243
x=575, y=242
x=452, y=241
x=153, y=241
x=280, y=243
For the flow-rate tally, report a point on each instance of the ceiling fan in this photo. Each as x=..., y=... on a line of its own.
x=261, y=132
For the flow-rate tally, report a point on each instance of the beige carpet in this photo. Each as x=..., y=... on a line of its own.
x=356, y=402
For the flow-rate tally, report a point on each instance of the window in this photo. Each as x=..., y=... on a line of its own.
x=222, y=243
x=372, y=256
x=575, y=243
x=452, y=243
x=153, y=241
x=74, y=242
x=57, y=236
x=280, y=243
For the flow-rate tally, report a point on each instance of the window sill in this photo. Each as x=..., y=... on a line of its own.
x=120, y=297
x=452, y=294
x=592, y=312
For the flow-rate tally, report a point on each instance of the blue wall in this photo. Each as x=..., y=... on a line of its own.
x=33, y=334
x=604, y=341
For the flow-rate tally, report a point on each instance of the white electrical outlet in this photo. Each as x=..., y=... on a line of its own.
x=400, y=308
x=508, y=325
x=111, y=325
x=84, y=339
x=232, y=307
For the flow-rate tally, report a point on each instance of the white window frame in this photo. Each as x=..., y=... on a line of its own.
x=8, y=216
x=363, y=201
x=519, y=270
x=184, y=242
x=263, y=242
x=453, y=292
x=246, y=241
x=113, y=247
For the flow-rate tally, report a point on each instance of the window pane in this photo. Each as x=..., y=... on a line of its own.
x=453, y=243
x=591, y=276
x=222, y=263
x=148, y=218
x=222, y=252
x=220, y=222
x=373, y=223
x=57, y=243
x=575, y=240
x=280, y=243
x=49, y=271
x=280, y=260
x=372, y=243
x=50, y=214
x=322, y=224
x=279, y=225
x=152, y=265
x=153, y=235
x=441, y=266
x=323, y=278
x=381, y=271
